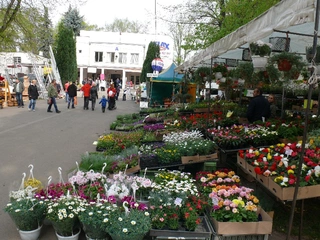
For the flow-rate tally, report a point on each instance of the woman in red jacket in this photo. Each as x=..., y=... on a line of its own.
x=86, y=95
x=111, y=97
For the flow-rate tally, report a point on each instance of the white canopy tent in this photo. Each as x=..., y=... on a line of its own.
x=289, y=18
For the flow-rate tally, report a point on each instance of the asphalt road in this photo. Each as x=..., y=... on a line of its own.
x=47, y=141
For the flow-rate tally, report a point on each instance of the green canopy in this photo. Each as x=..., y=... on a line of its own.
x=168, y=75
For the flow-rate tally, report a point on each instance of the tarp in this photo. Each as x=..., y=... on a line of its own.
x=288, y=16
x=168, y=75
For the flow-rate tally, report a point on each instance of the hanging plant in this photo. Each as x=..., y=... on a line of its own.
x=260, y=48
x=201, y=73
x=220, y=68
x=286, y=60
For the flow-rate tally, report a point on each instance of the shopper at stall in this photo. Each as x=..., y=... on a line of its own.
x=273, y=107
x=33, y=95
x=259, y=107
x=52, y=95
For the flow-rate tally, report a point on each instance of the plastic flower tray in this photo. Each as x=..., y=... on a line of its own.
x=203, y=230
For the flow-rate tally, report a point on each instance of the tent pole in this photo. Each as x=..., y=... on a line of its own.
x=315, y=39
x=210, y=80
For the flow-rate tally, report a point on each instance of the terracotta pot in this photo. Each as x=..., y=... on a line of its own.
x=284, y=65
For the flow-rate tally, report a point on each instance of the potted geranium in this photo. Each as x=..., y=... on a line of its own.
x=28, y=214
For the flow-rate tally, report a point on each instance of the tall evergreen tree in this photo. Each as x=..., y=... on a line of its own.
x=65, y=53
x=73, y=20
x=46, y=35
x=152, y=52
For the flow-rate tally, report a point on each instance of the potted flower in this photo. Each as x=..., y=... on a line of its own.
x=129, y=222
x=28, y=214
x=94, y=218
x=63, y=214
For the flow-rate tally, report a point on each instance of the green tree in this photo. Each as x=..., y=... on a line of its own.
x=65, y=53
x=46, y=34
x=124, y=25
x=152, y=52
x=214, y=19
x=73, y=20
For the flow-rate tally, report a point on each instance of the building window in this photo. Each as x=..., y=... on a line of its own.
x=122, y=58
x=17, y=59
x=110, y=57
x=134, y=58
x=137, y=80
x=98, y=56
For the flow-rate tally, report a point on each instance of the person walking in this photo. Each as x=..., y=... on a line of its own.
x=103, y=85
x=111, y=97
x=86, y=95
x=52, y=94
x=259, y=107
x=93, y=95
x=33, y=95
x=72, y=93
x=18, y=88
x=103, y=103
x=66, y=85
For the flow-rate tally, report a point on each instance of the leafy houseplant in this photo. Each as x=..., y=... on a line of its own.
x=27, y=213
x=260, y=48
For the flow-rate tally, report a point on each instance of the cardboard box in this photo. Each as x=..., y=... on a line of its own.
x=250, y=170
x=210, y=157
x=133, y=169
x=286, y=193
x=263, y=180
x=241, y=162
x=190, y=159
x=244, y=228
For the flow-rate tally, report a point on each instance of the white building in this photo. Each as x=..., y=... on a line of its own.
x=110, y=55
x=21, y=63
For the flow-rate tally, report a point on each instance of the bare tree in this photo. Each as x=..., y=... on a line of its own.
x=124, y=25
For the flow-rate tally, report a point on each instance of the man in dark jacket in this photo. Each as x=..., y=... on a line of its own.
x=72, y=92
x=258, y=108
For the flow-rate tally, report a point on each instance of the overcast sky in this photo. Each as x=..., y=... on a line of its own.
x=101, y=12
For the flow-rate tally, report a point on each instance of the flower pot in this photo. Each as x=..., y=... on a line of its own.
x=30, y=235
x=259, y=62
x=119, y=236
x=94, y=233
x=218, y=75
x=89, y=238
x=284, y=65
x=73, y=237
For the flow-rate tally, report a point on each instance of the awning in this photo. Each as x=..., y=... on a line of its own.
x=286, y=17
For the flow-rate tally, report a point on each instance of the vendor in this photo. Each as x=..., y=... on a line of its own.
x=259, y=107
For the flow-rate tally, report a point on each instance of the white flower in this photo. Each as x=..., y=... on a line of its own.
x=105, y=220
x=125, y=230
x=119, y=219
x=133, y=222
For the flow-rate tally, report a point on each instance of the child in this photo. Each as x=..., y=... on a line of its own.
x=103, y=102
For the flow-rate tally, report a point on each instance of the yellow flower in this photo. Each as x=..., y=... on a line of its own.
x=256, y=153
x=290, y=171
x=269, y=157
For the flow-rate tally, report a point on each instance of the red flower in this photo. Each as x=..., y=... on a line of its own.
x=307, y=178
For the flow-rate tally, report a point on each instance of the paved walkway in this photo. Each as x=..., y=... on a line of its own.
x=49, y=141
